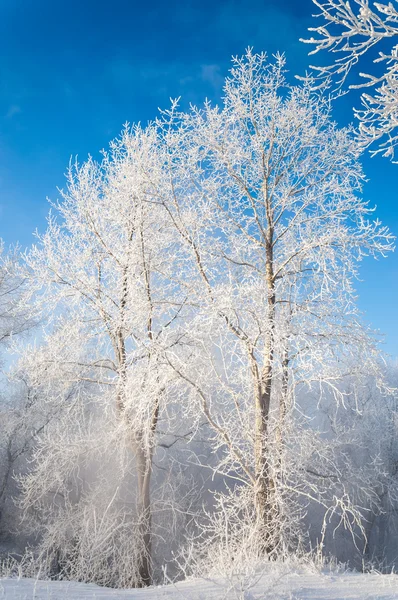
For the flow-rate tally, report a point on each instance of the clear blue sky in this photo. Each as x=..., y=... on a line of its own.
x=71, y=73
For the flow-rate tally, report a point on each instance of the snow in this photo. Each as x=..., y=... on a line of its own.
x=288, y=586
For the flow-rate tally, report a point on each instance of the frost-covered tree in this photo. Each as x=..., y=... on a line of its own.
x=266, y=197
x=102, y=276
x=14, y=321
x=350, y=30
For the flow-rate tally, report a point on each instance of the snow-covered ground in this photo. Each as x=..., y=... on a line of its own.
x=271, y=586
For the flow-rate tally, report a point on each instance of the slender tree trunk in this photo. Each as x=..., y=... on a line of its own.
x=7, y=473
x=283, y=403
x=144, y=458
x=143, y=454
x=144, y=471
x=265, y=485
x=142, y=444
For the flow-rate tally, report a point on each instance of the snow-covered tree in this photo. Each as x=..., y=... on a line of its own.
x=351, y=30
x=266, y=197
x=14, y=321
x=102, y=275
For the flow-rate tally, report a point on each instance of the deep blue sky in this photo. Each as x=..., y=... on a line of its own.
x=71, y=73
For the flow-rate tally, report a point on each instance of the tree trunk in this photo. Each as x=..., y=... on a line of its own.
x=144, y=469
x=283, y=405
x=144, y=458
x=265, y=485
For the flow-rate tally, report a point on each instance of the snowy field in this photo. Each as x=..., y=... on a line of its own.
x=290, y=586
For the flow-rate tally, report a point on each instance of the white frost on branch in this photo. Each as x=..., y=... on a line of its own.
x=350, y=30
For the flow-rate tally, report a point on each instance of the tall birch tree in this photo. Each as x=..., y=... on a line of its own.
x=101, y=274
x=266, y=196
